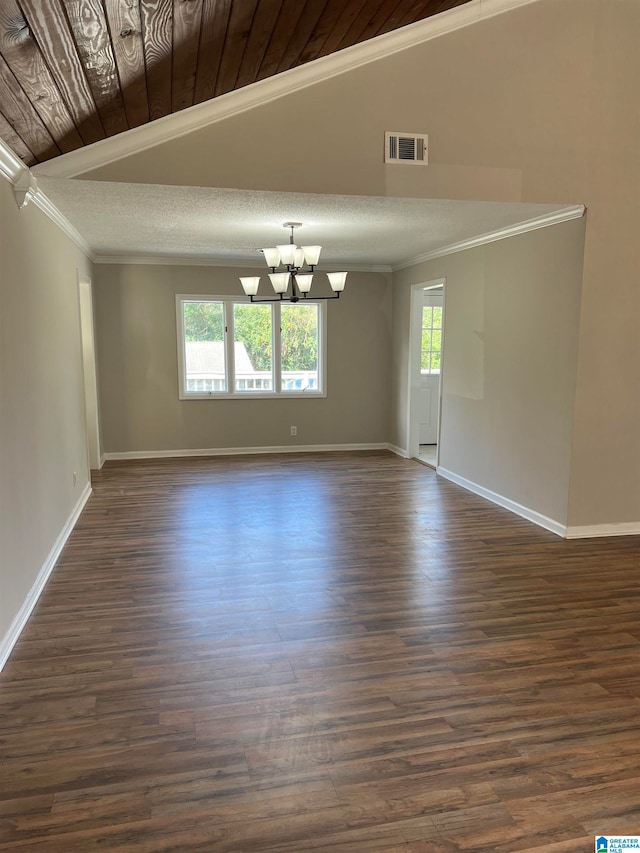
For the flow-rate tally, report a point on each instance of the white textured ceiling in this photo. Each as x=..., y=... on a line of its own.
x=218, y=225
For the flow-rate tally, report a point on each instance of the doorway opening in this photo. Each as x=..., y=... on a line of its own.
x=425, y=371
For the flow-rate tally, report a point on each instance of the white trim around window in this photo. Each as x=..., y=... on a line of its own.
x=223, y=368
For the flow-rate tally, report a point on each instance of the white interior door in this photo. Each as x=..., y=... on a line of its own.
x=430, y=358
x=425, y=356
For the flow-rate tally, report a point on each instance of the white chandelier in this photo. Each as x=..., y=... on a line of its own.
x=294, y=281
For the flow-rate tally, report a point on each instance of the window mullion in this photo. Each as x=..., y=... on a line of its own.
x=230, y=349
x=276, y=330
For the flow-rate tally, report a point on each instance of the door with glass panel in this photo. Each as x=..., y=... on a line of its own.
x=430, y=363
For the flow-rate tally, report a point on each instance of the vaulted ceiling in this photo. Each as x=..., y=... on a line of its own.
x=73, y=72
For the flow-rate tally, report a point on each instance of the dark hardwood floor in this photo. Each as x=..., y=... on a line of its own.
x=332, y=652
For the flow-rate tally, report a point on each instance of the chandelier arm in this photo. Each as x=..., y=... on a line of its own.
x=279, y=298
x=311, y=298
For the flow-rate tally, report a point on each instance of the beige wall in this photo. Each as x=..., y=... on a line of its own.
x=42, y=437
x=540, y=104
x=512, y=311
x=138, y=371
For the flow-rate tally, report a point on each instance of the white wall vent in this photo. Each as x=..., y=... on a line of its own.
x=406, y=148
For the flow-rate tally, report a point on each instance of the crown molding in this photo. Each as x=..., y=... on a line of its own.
x=172, y=261
x=26, y=190
x=195, y=261
x=48, y=207
x=173, y=126
x=11, y=166
x=576, y=211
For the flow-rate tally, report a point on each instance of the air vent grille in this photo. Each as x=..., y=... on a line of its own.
x=406, y=148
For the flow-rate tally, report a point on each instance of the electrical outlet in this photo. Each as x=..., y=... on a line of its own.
x=294, y=430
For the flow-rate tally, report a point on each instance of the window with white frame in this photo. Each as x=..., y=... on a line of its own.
x=431, y=339
x=236, y=348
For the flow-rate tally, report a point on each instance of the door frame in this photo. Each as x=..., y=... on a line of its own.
x=89, y=373
x=415, y=325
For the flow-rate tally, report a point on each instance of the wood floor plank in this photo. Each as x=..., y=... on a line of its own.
x=323, y=652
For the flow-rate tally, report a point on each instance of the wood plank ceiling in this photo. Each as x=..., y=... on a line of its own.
x=73, y=72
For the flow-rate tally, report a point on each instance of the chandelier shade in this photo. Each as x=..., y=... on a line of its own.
x=304, y=282
x=312, y=254
x=295, y=280
x=280, y=281
x=272, y=257
x=250, y=284
x=337, y=280
x=287, y=253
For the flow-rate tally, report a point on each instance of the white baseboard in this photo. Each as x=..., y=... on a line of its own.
x=523, y=511
x=399, y=451
x=243, y=451
x=625, y=528
x=17, y=626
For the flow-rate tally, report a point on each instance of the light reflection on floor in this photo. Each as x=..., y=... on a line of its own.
x=288, y=544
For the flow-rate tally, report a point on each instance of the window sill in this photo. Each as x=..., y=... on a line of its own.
x=257, y=395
